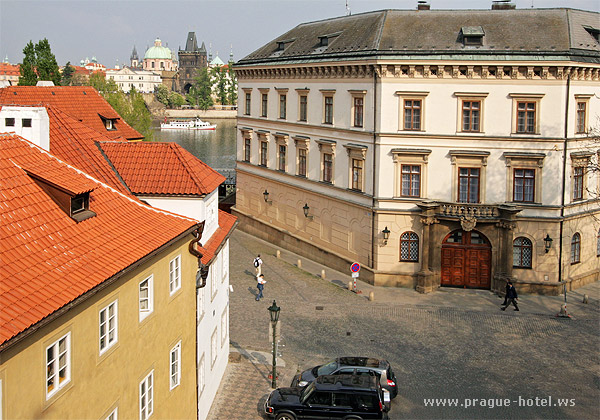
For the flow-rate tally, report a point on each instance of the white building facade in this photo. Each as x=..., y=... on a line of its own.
x=142, y=80
x=434, y=158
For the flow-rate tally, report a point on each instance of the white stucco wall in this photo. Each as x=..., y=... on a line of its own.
x=38, y=133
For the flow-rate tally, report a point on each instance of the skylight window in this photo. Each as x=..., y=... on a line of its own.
x=472, y=35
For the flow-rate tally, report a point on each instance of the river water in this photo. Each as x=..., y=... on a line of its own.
x=215, y=148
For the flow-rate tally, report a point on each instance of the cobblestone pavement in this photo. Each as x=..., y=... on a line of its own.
x=453, y=343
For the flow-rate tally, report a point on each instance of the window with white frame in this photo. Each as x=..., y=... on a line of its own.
x=146, y=297
x=264, y=102
x=213, y=348
x=281, y=141
x=201, y=374
x=248, y=100
x=200, y=303
x=328, y=105
x=58, y=365
x=263, y=151
x=225, y=252
x=302, y=144
x=327, y=148
x=108, y=325
x=410, y=172
x=412, y=110
x=282, y=103
x=356, y=162
x=224, y=326
x=526, y=113
x=147, y=396
x=175, y=366
x=302, y=104
x=469, y=174
x=358, y=107
x=175, y=274
x=524, y=176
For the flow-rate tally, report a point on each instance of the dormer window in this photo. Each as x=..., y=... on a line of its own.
x=281, y=45
x=109, y=123
x=595, y=32
x=323, y=41
x=472, y=35
x=80, y=203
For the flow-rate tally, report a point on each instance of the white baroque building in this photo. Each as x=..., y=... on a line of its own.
x=142, y=80
x=434, y=147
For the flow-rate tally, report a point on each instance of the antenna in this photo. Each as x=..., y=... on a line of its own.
x=348, y=12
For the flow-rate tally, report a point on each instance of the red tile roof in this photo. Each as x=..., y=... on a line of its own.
x=10, y=69
x=48, y=259
x=227, y=223
x=157, y=168
x=83, y=103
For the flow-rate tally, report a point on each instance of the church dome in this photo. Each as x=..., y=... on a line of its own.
x=158, y=52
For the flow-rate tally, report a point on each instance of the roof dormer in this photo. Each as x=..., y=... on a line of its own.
x=325, y=41
x=472, y=35
x=109, y=123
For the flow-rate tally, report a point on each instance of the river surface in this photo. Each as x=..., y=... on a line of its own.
x=215, y=148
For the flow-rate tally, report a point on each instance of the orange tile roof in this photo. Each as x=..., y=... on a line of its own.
x=157, y=168
x=83, y=103
x=48, y=259
x=227, y=223
x=11, y=69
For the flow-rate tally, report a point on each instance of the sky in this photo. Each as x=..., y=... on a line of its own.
x=108, y=29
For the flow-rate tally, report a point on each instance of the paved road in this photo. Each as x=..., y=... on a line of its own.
x=453, y=344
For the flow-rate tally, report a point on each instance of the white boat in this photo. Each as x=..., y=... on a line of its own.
x=196, y=124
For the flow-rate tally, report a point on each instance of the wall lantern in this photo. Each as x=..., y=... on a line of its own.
x=306, y=209
x=266, y=196
x=547, y=243
x=386, y=235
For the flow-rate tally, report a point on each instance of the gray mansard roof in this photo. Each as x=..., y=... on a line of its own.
x=518, y=34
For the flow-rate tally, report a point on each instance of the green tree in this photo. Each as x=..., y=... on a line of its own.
x=219, y=81
x=200, y=92
x=67, y=74
x=99, y=82
x=161, y=93
x=38, y=64
x=175, y=100
x=232, y=87
x=27, y=67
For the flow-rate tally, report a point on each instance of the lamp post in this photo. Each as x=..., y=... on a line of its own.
x=386, y=235
x=274, y=312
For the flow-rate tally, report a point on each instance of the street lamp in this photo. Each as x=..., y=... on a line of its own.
x=274, y=312
x=305, y=208
x=386, y=235
x=547, y=243
x=266, y=196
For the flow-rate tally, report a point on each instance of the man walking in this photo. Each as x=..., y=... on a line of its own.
x=511, y=297
x=260, y=285
x=257, y=265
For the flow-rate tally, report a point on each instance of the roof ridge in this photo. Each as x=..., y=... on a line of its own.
x=177, y=149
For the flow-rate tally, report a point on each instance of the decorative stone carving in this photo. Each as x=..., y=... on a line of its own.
x=429, y=220
x=505, y=225
x=468, y=223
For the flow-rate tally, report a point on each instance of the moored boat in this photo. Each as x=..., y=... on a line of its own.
x=196, y=124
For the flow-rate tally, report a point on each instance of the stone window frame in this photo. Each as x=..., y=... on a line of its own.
x=526, y=97
x=357, y=94
x=328, y=93
x=408, y=241
x=356, y=152
x=264, y=105
x=282, y=110
x=524, y=160
x=575, y=256
x=411, y=96
x=469, y=159
x=470, y=97
x=263, y=138
x=247, y=135
x=302, y=92
x=581, y=160
x=585, y=99
x=529, y=245
x=410, y=157
x=281, y=139
x=302, y=143
x=247, y=100
x=327, y=147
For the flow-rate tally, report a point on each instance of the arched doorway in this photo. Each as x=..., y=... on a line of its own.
x=466, y=260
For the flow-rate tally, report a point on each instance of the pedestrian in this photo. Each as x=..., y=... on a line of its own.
x=511, y=294
x=260, y=285
x=258, y=265
x=506, y=293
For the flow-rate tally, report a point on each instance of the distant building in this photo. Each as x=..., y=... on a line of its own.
x=134, y=59
x=191, y=59
x=9, y=73
x=159, y=58
x=143, y=80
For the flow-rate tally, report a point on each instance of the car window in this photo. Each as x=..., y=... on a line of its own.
x=367, y=401
x=306, y=392
x=343, y=371
x=320, y=398
x=368, y=372
x=344, y=400
x=327, y=369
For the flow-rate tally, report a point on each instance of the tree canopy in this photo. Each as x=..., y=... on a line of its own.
x=38, y=64
x=201, y=90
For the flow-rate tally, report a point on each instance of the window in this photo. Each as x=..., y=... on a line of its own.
x=201, y=373
x=580, y=124
x=281, y=157
x=470, y=116
x=147, y=396
x=328, y=110
x=575, y=248
x=526, y=122
x=303, y=107
x=263, y=153
x=282, y=106
x=108, y=326
x=409, y=247
x=213, y=348
x=522, y=253
x=357, y=154
x=200, y=303
x=524, y=185
x=79, y=203
x=302, y=162
x=357, y=174
x=412, y=114
x=247, y=150
x=248, y=103
x=327, y=148
x=327, y=167
x=411, y=180
x=9, y=122
x=578, y=183
x=58, y=365
x=175, y=274
x=302, y=144
x=114, y=415
x=224, y=327
x=468, y=185
x=175, y=364
x=358, y=109
x=264, y=105
x=146, y=297
x=26, y=122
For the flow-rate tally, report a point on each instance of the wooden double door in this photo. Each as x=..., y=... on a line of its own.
x=466, y=260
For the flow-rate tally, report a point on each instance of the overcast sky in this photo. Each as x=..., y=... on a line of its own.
x=108, y=30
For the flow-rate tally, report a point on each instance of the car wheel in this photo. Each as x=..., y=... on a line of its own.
x=285, y=416
x=352, y=418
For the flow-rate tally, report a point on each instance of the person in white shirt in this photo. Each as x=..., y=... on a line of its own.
x=260, y=285
x=257, y=265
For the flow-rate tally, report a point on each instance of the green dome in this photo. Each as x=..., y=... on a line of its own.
x=158, y=52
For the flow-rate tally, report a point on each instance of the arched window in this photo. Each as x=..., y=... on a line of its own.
x=522, y=252
x=409, y=247
x=575, y=248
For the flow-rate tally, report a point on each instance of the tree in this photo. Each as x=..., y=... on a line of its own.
x=219, y=79
x=200, y=92
x=99, y=82
x=232, y=87
x=175, y=100
x=161, y=93
x=38, y=64
x=67, y=74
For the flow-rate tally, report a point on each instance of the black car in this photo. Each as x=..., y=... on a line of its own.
x=329, y=397
x=355, y=366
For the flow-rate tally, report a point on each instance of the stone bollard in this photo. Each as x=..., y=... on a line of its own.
x=585, y=298
x=299, y=263
x=371, y=296
x=322, y=274
x=350, y=285
x=278, y=254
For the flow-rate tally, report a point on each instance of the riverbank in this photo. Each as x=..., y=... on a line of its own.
x=198, y=113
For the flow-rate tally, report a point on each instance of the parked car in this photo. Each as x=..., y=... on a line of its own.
x=329, y=397
x=355, y=366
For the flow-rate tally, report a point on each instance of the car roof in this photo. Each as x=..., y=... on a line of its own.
x=345, y=382
x=362, y=362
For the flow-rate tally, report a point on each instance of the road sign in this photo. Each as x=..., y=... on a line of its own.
x=355, y=267
x=355, y=274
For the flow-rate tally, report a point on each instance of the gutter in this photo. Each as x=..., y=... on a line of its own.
x=564, y=180
x=92, y=292
x=373, y=231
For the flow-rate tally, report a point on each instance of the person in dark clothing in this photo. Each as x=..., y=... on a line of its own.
x=506, y=294
x=511, y=296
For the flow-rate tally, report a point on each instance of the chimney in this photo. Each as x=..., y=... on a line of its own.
x=31, y=123
x=423, y=5
x=502, y=5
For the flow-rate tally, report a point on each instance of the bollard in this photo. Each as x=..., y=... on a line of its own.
x=322, y=274
x=585, y=298
x=278, y=254
x=349, y=285
x=371, y=296
x=299, y=263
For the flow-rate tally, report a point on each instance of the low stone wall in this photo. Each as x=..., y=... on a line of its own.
x=198, y=113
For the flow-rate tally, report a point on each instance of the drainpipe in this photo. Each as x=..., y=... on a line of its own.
x=374, y=173
x=564, y=180
x=202, y=273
